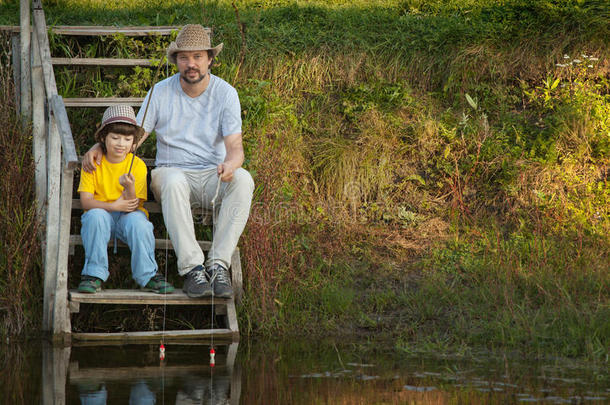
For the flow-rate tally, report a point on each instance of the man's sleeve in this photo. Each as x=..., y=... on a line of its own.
x=151, y=115
x=231, y=117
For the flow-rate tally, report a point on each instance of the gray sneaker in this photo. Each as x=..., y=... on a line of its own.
x=220, y=280
x=196, y=284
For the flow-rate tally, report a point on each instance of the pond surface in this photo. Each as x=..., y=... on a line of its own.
x=286, y=373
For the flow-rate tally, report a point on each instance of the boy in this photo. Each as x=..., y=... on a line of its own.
x=113, y=201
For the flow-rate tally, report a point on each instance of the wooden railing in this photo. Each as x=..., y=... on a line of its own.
x=55, y=159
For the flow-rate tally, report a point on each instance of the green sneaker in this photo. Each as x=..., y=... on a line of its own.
x=89, y=284
x=157, y=284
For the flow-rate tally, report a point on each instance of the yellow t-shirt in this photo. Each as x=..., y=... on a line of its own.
x=103, y=183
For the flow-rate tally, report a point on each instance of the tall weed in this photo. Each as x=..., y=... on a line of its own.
x=20, y=251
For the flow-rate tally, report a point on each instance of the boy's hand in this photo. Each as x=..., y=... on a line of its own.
x=93, y=156
x=123, y=205
x=127, y=180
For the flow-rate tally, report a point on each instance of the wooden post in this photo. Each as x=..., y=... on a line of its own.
x=38, y=128
x=25, y=40
x=236, y=276
x=52, y=236
x=16, y=50
x=61, y=311
x=61, y=127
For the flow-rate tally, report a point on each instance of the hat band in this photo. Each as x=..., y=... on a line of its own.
x=120, y=118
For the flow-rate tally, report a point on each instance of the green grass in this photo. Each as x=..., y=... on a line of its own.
x=432, y=172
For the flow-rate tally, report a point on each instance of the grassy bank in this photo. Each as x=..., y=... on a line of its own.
x=434, y=173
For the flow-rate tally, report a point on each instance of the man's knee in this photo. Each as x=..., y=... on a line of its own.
x=243, y=181
x=167, y=180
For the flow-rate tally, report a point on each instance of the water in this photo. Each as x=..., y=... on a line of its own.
x=286, y=373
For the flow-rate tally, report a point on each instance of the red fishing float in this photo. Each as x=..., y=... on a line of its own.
x=212, y=355
x=162, y=352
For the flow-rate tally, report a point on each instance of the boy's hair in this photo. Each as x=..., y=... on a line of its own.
x=121, y=128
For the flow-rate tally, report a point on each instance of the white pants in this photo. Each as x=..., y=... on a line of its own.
x=179, y=189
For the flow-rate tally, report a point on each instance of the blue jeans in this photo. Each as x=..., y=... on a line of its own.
x=133, y=228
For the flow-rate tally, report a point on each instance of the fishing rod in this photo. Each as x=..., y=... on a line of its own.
x=133, y=157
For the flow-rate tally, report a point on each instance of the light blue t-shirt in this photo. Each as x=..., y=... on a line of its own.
x=190, y=131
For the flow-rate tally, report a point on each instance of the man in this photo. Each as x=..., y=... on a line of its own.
x=197, y=120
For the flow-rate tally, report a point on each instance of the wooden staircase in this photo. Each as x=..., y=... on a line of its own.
x=56, y=162
x=223, y=307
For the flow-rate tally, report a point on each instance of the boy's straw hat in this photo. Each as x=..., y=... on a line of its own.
x=193, y=37
x=119, y=113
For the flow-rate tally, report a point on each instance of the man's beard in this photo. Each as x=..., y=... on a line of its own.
x=189, y=81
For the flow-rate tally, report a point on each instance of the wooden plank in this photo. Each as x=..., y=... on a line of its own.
x=39, y=142
x=236, y=275
x=12, y=29
x=70, y=159
x=154, y=207
x=174, y=342
x=103, y=101
x=76, y=240
x=52, y=223
x=100, y=62
x=101, y=30
x=156, y=335
x=110, y=30
x=151, y=206
x=25, y=44
x=232, y=319
x=138, y=297
x=149, y=162
x=40, y=29
x=61, y=312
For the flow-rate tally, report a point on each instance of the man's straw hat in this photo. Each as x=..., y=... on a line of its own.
x=193, y=37
x=119, y=113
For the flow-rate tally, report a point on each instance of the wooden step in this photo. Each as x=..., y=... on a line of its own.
x=94, y=30
x=103, y=101
x=151, y=206
x=100, y=62
x=77, y=240
x=126, y=296
x=200, y=215
x=227, y=334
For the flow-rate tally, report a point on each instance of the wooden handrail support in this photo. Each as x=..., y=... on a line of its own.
x=70, y=159
x=61, y=162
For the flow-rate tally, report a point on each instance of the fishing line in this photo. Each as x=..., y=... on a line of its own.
x=162, y=345
x=212, y=351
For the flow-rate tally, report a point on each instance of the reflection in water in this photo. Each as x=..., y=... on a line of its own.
x=288, y=373
x=100, y=375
